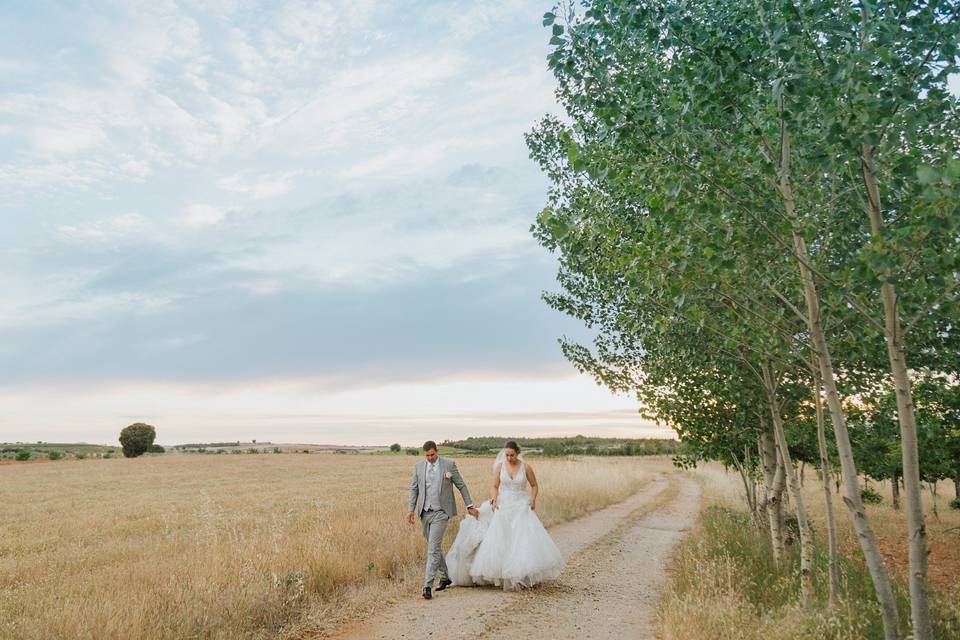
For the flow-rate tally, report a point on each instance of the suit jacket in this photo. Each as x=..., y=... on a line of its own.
x=418, y=487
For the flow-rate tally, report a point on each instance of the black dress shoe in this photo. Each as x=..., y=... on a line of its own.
x=444, y=583
x=426, y=593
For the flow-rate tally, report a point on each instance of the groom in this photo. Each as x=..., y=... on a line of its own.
x=431, y=497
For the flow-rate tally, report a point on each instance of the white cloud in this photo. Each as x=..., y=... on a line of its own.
x=109, y=229
x=360, y=105
x=66, y=139
x=201, y=215
x=54, y=301
x=475, y=20
x=401, y=160
x=259, y=187
x=135, y=168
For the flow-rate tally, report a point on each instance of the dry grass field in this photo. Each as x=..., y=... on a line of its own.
x=723, y=585
x=251, y=546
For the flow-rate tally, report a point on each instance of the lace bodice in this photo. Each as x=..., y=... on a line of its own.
x=514, y=485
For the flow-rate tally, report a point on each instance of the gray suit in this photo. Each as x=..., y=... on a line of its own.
x=435, y=520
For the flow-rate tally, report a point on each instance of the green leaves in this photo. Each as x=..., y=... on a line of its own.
x=927, y=174
x=666, y=209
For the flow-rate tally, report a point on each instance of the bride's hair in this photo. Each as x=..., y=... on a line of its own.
x=502, y=456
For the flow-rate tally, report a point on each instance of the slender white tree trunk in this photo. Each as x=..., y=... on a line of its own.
x=912, y=489
x=858, y=514
x=806, y=536
x=832, y=566
x=773, y=476
x=865, y=535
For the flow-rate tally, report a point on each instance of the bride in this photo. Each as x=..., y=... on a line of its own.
x=506, y=545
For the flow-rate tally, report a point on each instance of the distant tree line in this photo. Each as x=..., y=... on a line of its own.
x=55, y=451
x=577, y=445
x=206, y=445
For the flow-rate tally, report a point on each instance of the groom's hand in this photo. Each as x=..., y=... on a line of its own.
x=410, y=517
x=473, y=512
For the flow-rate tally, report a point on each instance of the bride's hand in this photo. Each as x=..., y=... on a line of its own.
x=533, y=505
x=493, y=504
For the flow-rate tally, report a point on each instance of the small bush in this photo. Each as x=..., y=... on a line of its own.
x=156, y=448
x=955, y=503
x=54, y=455
x=108, y=454
x=869, y=496
x=23, y=455
x=413, y=452
x=395, y=447
x=80, y=455
x=277, y=450
x=252, y=450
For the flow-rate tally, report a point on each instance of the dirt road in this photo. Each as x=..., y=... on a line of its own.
x=615, y=567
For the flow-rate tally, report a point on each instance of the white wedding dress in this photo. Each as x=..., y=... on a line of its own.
x=505, y=547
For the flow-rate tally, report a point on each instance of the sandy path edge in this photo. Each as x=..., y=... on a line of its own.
x=615, y=567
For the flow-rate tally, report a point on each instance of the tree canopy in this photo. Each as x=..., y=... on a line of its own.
x=137, y=439
x=755, y=204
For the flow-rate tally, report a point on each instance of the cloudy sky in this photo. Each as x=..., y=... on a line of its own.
x=297, y=221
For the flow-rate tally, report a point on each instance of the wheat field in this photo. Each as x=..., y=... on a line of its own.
x=239, y=546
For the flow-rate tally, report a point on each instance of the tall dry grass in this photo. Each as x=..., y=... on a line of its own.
x=724, y=585
x=238, y=546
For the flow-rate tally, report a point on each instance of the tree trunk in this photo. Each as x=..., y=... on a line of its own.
x=895, y=490
x=745, y=477
x=956, y=488
x=773, y=477
x=865, y=535
x=861, y=524
x=912, y=489
x=806, y=536
x=803, y=467
x=832, y=566
x=752, y=489
x=933, y=493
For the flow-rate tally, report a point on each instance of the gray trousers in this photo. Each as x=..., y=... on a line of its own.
x=434, y=525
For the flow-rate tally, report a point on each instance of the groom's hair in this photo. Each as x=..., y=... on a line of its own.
x=429, y=444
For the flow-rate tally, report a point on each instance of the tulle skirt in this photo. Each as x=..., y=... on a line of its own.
x=508, y=547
